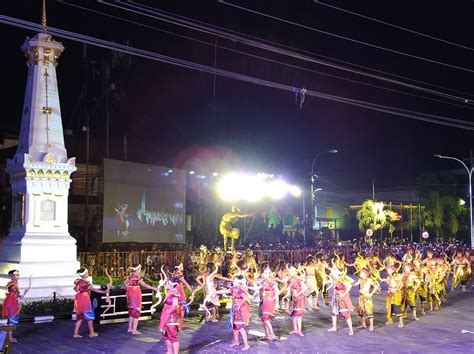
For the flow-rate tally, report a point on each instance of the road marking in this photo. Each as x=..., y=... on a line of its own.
x=212, y=343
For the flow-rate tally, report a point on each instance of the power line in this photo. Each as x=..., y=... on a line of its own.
x=393, y=25
x=312, y=53
x=184, y=22
x=263, y=58
x=346, y=38
x=451, y=122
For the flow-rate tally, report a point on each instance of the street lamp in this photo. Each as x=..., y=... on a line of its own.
x=332, y=151
x=469, y=172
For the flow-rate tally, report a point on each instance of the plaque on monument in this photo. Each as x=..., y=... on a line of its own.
x=47, y=210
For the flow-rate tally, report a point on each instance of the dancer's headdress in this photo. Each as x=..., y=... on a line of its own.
x=84, y=272
x=137, y=268
x=180, y=267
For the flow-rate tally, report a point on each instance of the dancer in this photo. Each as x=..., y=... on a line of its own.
x=460, y=266
x=282, y=278
x=82, y=302
x=211, y=302
x=322, y=270
x=393, y=303
x=171, y=319
x=269, y=297
x=434, y=287
x=311, y=282
x=368, y=286
x=341, y=303
x=240, y=312
x=178, y=277
x=411, y=283
x=421, y=272
x=298, y=301
x=133, y=284
x=11, y=303
x=360, y=262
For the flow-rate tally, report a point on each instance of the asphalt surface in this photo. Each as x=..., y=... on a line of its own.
x=440, y=331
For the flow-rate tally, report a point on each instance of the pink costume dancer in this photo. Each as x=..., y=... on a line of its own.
x=133, y=283
x=82, y=302
x=11, y=303
x=171, y=318
x=341, y=303
x=240, y=313
x=267, y=306
x=298, y=301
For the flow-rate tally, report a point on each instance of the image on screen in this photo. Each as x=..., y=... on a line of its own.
x=143, y=203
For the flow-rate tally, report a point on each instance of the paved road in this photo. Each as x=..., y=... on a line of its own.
x=436, y=332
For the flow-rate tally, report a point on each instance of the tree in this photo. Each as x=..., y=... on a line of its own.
x=375, y=216
x=442, y=214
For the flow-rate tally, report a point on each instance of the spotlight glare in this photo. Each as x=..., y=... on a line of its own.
x=277, y=189
x=253, y=188
x=295, y=191
x=170, y=171
x=191, y=172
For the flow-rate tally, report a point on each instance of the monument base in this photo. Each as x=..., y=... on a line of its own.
x=49, y=260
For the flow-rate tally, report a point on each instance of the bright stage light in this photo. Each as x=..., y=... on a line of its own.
x=229, y=187
x=295, y=191
x=253, y=188
x=277, y=189
x=191, y=172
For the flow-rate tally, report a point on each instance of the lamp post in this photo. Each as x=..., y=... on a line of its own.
x=332, y=151
x=469, y=173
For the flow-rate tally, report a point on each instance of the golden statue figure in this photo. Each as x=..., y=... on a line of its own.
x=226, y=229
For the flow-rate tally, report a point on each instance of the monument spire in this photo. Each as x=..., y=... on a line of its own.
x=43, y=17
x=39, y=242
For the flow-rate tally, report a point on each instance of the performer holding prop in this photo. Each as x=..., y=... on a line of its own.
x=133, y=283
x=11, y=304
x=171, y=319
x=82, y=302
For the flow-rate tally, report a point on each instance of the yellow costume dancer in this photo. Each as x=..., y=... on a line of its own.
x=411, y=284
x=460, y=265
x=393, y=302
x=366, y=291
x=434, y=288
x=422, y=291
x=360, y=262
x=322, y=269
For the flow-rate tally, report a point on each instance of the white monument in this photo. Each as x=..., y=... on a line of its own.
x=39, y=244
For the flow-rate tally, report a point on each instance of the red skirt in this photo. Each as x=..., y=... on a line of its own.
x=134, y=297
x=171, y=333
x=83, y=307
x=11, y=307
x=268, y=308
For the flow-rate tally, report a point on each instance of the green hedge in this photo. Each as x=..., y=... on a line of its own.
x=47, y=308
x=66, y=306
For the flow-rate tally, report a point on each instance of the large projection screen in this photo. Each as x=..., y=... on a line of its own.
x=143, y=203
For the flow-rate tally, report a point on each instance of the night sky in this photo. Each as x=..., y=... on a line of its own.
x=177, y=107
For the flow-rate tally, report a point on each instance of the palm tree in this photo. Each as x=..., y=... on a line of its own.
x=373, y=215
